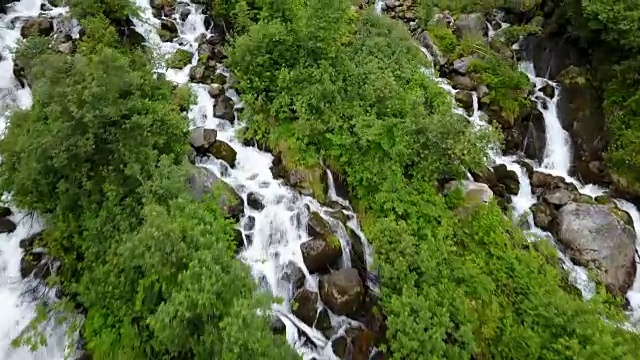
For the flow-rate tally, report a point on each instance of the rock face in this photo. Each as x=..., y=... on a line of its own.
x=595, y=237
x=582, y=116
x=342, y=291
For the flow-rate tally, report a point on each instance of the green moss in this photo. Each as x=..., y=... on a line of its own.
x=179, y=59
x=444, y=39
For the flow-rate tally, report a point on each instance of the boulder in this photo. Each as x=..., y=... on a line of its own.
x=542, y=216
x=305, y=306
x=5, y=211
x=293, y=275
x=465, y=99
x=7, y=226
x=595, y=237
x=474, y=192
x=216, y=90
x=581, y=114
x=342, y=291
x=548, y=90
x=471, y=25
x=317, y=226
x=354, y=344
x=223, y=151
x=508, y=178
x=255, y=201
x=462, y=65
x=557, y=197
x=460, y=82
x=203, y=181
x=201, y=138
x=40, y=26
x=320, y=254
x=223, y=108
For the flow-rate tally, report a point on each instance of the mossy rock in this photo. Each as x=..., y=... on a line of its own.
x=180, y=59
x=223, y=151
x=309, y=180
x=228, y=200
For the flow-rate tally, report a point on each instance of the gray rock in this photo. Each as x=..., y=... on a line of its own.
x=202, y=138
x=223, y=108
x=462, y=65
x=465, y=99
x=471, y=24
x=462, y=83
x=595, y=237
x=342, y=291
x=216, y=90
x=473, y=191
x=558, y=197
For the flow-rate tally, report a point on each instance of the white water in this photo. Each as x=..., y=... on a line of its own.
x=280, y=227
x=18, y=297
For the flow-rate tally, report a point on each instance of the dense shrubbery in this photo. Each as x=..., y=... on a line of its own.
x=100, y=157
x=349, y=87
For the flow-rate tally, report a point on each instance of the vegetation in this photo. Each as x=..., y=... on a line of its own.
x=100, y=156
x=349, y=86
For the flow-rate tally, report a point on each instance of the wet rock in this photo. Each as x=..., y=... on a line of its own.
x=528, y=168
x=35, y=264
x=460, y=82
x=318, y=226
x=310, y=182
x=293, y=275
x=541, y=180
x=465, y=99
x=202, y=138
x=320, y=254
x=7, y=226
x=462, y=65
x=5, y=211
x=581, y=114
x=558, y=197
x=29, y=241
x=426, y=41
x=40, y=26
x=548, y=90
x=250, y=223
x=474, y=192
x=219, y=78
x=239, y=239
x=216, y=90
x=305, y=306
x=482, y=91
x=595, y=237
x=542, y=216
x=355, y=344
x=485, y=176
x=223, y=151
x=535, y=140
x=508, y=178
x=323, y=323
x=223, y=109
x=342, y=291
x=470, y=25
x=255, y=201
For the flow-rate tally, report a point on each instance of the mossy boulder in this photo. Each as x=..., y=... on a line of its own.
x=223, y=151
x=179, y=59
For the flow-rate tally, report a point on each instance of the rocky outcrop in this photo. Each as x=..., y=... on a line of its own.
x=342, y=291
x=596, y=238
x=581, y=115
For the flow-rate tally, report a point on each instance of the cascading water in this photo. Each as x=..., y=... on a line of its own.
x=18, y=297
x=273, y=234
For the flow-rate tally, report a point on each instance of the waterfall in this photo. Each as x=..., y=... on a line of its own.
x=272, y=235
x=18, y=297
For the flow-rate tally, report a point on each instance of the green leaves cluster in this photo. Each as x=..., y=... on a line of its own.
x=100, y=156
x=455, y=285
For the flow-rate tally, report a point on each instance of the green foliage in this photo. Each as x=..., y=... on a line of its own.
x=455, y=285
x=179, y=59
x=114, y=10
x=100, y=156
